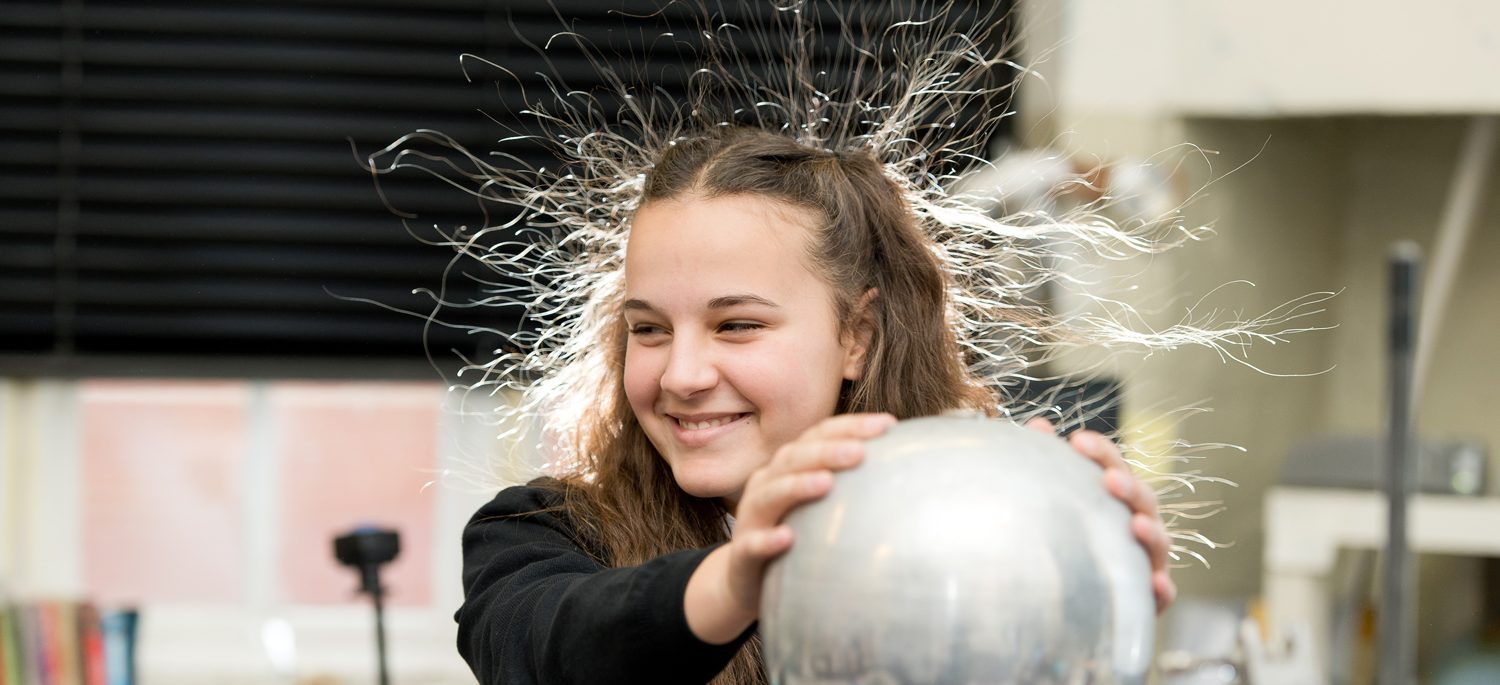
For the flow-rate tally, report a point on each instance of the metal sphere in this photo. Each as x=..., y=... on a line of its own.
x=963, y=550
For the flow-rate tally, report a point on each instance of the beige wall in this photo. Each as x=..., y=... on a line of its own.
x=1272, y=198
x=1400, y=172
x=1318, y=210
x=1265, y=188
x=1300, y=206
x=1271, y=57
x=1304, y=91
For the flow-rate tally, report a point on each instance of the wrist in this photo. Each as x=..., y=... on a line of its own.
x=713, y=613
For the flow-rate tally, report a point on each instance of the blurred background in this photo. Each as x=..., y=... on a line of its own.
x=204, y=377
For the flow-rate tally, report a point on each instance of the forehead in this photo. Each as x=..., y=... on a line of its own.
x=739, y=242
x=725, y=219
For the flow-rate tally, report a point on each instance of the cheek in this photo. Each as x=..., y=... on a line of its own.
x=642, y=378
x=795, y=385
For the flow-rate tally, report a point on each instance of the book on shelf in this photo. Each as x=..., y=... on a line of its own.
x=65, y=642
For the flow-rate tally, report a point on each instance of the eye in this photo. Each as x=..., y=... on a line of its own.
x=740, y=326
x=646, y=330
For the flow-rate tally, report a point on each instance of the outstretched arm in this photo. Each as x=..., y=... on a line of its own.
x=539, y=609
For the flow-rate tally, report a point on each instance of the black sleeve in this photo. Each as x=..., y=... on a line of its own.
x=538, y=610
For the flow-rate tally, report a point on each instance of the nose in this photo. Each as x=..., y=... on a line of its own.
x=690, y=368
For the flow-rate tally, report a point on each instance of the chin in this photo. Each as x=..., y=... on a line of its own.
x=708, y=485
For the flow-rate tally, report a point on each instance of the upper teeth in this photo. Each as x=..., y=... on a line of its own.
x=700, y=425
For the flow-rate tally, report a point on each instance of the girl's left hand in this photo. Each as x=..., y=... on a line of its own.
x=1145, y=521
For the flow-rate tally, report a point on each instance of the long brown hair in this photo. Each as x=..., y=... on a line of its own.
x=869, y=249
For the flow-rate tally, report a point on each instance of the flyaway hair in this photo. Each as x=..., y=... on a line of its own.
x=919, y=88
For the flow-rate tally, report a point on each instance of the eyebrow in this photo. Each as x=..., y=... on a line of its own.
x=723, y=302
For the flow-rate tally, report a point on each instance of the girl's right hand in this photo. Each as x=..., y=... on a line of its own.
x=723, y=596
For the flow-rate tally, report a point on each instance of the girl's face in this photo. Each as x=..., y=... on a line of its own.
x=734, y=346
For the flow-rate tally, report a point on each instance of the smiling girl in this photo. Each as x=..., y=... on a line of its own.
x=780, y=305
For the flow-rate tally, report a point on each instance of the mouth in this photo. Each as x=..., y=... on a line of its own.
x=699, y=429
x=703, y=422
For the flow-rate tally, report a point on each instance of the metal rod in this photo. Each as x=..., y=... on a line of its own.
x=1398, y=596
x=378, y=594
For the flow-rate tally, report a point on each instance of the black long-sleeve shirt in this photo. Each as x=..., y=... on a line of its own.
x=539, y=610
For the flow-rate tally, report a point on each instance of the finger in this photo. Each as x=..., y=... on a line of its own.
x=763, y=545
x=804, y=455
x=1164, y=589
x=1152, y=534
x=767, y=500
x=1123, y=484
x=1041, y=425
x=856, y=426
x=1095, y=446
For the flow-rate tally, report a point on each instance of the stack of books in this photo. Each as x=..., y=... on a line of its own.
x=63, y=642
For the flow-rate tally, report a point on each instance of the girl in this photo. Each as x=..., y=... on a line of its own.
x=779, y=306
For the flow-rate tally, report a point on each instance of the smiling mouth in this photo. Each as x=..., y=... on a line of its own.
x=707, y=423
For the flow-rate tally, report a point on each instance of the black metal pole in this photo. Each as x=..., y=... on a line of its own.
x=366, y=549
x=1398, y=596
x=378, y=594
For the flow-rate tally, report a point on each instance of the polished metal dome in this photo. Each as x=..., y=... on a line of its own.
x=963, y=550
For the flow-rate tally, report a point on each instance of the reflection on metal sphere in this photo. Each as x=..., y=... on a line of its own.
x=963, y=550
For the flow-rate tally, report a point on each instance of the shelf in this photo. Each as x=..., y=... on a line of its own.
x=1306, y=528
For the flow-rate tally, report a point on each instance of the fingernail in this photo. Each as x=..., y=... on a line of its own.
x=1123, y=484
x=879, y=421
x=849, y=454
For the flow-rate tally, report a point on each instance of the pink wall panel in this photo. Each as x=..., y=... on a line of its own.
x=352, y=454
x=162, y=490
